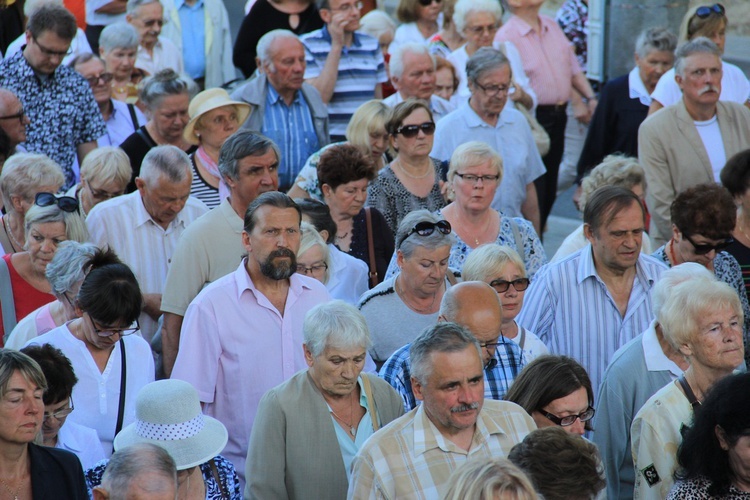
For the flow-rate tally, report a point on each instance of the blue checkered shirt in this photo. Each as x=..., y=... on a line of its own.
x=500, y=372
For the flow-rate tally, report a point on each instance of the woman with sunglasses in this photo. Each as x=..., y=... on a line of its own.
x=399, y=308
x=502, y=268
x=703, y=218
x=709, y=21
x=48, y=222
x=419, y=22
x=99, y=341
x=555, y=390
x=702, y=320
x=412, y=180
x=58, y=404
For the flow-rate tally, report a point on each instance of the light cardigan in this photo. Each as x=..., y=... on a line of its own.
x=294, y=452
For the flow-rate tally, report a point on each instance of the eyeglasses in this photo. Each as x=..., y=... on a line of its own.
x=153, y=22
x=101, y=194
x=66, y=203
x=707, y=248
x=409, y=131
x=493, y=90
x=348, y=7
x=587, y=415
x=61, y=414
x=19, y=116
x=492, y=345
x=502, y=286
x=426, y=228
x=425, y=3
x=316, y=269
x=473, y=179
x=478, y=30
x=104, y=77
x=108, y=332
x=51, y=53
x=704, y=11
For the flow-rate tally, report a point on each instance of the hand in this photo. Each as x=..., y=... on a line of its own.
x=152, y=305
x=581, y=112
x=336, y=28
x=592, y=105
x=518, y=94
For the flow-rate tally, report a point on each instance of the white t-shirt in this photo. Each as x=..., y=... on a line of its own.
x=711, y=137
x=734, y=86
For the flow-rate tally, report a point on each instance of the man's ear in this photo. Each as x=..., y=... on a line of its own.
x=416, y=388
x=100, y=493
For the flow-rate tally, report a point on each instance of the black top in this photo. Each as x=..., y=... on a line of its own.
x=136, y=146
x=614, y=126
x=262, y=18
x=56, y=473
x=384, y=244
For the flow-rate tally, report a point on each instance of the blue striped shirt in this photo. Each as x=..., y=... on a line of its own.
x=572, y=311
x=361, y=69
x=291, y=128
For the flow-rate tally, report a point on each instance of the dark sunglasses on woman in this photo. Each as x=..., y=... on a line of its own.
x=66, y=203
x=410, y=131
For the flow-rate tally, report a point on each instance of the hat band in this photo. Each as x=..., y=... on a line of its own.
x=170, y=432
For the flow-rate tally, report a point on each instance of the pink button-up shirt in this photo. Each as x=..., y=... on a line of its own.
x=235, y=346
x=548, y=57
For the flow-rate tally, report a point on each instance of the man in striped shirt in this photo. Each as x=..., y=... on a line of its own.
x=346, y=67
x=593, y=302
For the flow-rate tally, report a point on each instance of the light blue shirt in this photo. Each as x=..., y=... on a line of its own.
x=349, y=447
x=193, y=22
x=291, y=128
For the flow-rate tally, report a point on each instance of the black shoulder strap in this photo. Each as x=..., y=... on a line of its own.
x=123, y=373
x=688, y=392
x=133, y=116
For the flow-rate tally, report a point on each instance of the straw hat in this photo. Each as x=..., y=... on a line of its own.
x=168, y=414
x=206, y=101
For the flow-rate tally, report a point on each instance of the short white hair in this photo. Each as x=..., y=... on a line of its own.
x=377, y=22
x=263, y=49
x=396, y=63
x=672, y=277
x=168, y=161
x=464, y=7
x=335, y=323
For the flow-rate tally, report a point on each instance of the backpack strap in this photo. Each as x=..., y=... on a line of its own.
x=7, y=304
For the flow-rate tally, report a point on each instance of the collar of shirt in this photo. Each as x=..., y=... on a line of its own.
x=26, y=70
x=473, y=120
x=68, y=440
x=143, y=217
x=427, y=437
x=244, y=282
x=327, y=37
x=524, y=28
x=636, y=88
x=273, y=97
x=141, y=52
x=234, y=220
x=656, y=360
x=587, y=269
x=181, y=3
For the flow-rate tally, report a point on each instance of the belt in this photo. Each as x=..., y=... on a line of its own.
x=555, y=108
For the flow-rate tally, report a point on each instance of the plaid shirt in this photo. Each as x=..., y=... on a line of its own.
x=499, y=373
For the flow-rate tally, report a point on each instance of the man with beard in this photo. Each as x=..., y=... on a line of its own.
x=688, y=143
x=242, y=333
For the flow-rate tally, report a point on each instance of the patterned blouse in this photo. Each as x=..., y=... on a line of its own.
x=697, y=489
x=230, y=484
x=573, y=18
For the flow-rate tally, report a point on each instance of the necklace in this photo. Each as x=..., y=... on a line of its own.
x=14, y=494
x=342, y=236
x=421, y=310
x=17, y=247
x=352, y=429
x=408, y=174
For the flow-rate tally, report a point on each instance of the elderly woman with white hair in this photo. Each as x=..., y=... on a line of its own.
x=702, y=320
x=50, y=221
x=327, y=412
x=118, y=46
x=502, y=268
x=614, y=170
x=22, y=177
x=65, y=274
x=478, y=21
x=105, y=174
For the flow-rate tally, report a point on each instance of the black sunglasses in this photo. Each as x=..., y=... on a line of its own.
x=707, y=248
x=587, y=415
x=66, y=203
x=425, y=3
x=426, y=228
x=410, y=131
x=704, y=11
x=502, y=286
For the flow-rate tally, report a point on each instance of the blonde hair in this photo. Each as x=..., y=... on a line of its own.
x=371, y=117
x=310, y=238
x=487, y=479
x=474, y=153
x=107, y=164
x=614, y=170
x=487, y=261
x=693, y=26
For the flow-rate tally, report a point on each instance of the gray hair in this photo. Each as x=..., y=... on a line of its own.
x=335, y=323
x=274, y=199
x=409, y=243
x=75, y=226
x=120, y=35
x=442, y=337
x=488, y=261
x=396, y=63
x=24, y=173
x=168, y=161
x=164, y=83
x=464, y=7
x=128, y=465
x=12, y=361
x=310, y=238
x=655, y=40
x=55, y=18
x=67, y=266
x=474, y=153
x=687, y=303
x=699, y=45
x=30, y=6
x=376, y=22
x=263, y=49
x=107, y=164
x=133, y=5
x=242, y=144
x=687, y=271
x=484, y=60
x=614, y=170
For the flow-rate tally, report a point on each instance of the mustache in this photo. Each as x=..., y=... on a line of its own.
x=708, y=88
x=281, y=252
x=469, y=407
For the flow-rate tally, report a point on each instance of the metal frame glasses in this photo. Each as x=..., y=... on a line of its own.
x=19, y=116
x=61, y=414
x=108, y=332
x=494, y=90
x=313, y=270
x=52, y=53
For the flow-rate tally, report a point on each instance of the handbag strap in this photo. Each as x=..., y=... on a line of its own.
x=370, y=402
x=133, y=116
x=123, y=374
x=371, y=249
x=7, y=303
x=522, y=340
x=217, y=478
x=516, y=236
x=688, y=392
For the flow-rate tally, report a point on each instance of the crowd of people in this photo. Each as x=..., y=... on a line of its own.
x=328, y=280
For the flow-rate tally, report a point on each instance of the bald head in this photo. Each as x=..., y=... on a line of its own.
x=476, y=306
x=15, y=125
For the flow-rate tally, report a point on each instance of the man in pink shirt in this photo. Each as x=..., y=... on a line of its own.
x=554, y=72
x=242, y=333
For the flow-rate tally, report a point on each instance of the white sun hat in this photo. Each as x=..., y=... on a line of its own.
x=168, y=414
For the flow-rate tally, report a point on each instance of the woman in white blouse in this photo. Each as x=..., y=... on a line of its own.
x=419, y=20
